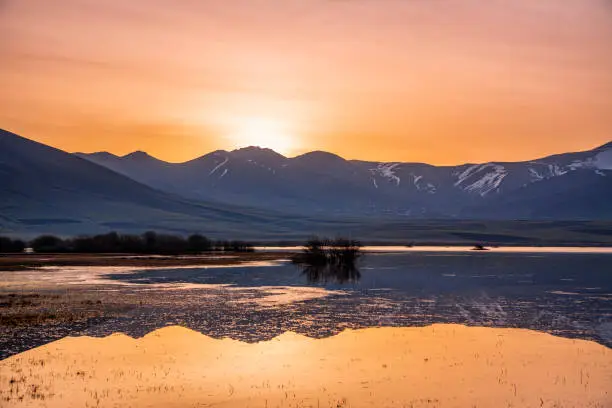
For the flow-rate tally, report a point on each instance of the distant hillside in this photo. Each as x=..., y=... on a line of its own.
x=43, y=189
x=46, y=189
x=325, y=184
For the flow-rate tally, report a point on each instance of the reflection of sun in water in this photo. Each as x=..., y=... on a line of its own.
x=263, y=133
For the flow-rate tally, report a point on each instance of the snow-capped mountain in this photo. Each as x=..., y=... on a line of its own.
x=324, y=182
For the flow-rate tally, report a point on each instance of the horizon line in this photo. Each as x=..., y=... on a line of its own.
x=121, y=156
x=605, y=145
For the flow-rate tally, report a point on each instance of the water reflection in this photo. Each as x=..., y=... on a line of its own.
x=331, y=274
x=563, y=294
x=434, y=366
x=329, y=261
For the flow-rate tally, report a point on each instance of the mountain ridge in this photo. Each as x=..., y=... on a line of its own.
x=46, y=190
x=323, y=182
x=607, y=145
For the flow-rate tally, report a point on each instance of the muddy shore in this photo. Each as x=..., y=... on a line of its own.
x=10, y=262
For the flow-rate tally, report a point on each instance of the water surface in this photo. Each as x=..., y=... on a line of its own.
x=563, y=293
x=434, y=366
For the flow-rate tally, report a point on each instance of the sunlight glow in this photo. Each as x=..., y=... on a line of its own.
x=265, y=133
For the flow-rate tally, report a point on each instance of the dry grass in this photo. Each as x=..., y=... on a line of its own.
x=25, y=309
x=18, y=262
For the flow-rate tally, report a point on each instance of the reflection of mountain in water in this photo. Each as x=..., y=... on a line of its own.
x=433, y=366
x=564, y=294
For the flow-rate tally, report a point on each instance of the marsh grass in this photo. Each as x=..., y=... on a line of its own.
x=330, y=260
x=25, y=309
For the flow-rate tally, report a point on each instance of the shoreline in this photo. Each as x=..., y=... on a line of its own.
x=24, y=262
x=21, y=262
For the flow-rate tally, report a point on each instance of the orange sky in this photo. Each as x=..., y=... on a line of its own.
x=439, y=81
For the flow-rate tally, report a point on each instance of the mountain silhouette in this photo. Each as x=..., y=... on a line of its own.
x=324, y=183
x=45, y=189
x=257, y=193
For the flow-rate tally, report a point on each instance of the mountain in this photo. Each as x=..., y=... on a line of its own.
x=251, y=176
x=573, y=195
x=47, y=190
x=324, y=183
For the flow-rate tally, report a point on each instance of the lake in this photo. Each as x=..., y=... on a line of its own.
x=563, y=293
x=419, y=296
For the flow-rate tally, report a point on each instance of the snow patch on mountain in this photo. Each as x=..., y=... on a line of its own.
x=386, y=170
x=263, y=166
x=467, y=173
x=582, y=164
x=490, y=181
x=535, y=174
x=541, y=170
x=603, y=160
x=218, y=166
x=556, y=170
x=420, y=184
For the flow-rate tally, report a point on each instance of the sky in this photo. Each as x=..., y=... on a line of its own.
x=437, y=81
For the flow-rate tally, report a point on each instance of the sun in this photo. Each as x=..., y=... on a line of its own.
x=262, y=132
